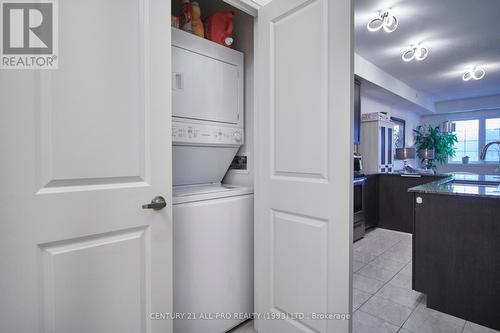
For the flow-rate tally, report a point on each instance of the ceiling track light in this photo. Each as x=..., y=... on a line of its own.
x=384, y=19
x=416, y=51
x=476, y=73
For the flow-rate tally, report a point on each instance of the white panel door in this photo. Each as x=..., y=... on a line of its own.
x=304, y=185
x=83, y=147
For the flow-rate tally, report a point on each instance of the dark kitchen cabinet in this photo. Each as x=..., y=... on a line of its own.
x=370, y=204
x=395, y=210
x=390, y=202
x=357, y=112
x=455, y=255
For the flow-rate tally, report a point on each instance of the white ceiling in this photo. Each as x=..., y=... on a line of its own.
x=458, y=34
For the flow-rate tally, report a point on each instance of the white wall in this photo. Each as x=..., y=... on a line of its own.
x=469, y=104
x=368, y=71
x=479, y=168
x=413, y=119
x=244, y=41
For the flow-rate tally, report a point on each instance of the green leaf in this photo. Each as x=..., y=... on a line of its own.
x=432, y=138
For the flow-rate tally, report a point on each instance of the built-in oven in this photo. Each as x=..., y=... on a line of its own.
x=358, y=166
x=359, y=216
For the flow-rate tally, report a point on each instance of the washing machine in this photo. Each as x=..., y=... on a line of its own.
x=212, y=231
x=213, y=257
x=212, y=222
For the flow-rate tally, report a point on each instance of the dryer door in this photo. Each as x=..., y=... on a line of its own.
x=204, y=88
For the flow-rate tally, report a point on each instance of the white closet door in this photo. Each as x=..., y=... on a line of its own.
x=83, y=148
x=303, y=190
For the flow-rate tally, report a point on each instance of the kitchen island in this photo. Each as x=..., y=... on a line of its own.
x=388, y=204
x=456, y=246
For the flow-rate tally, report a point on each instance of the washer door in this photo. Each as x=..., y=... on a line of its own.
x=200, y=165
x=213, y=262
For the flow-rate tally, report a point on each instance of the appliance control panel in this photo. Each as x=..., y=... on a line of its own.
x=193, y=133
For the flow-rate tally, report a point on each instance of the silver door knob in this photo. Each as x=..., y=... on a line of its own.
x=157, y=203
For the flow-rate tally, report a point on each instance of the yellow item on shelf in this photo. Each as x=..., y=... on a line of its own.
x=197, y=24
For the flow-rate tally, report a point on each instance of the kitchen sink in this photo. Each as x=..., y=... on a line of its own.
x=476, y=182
x=479, y=187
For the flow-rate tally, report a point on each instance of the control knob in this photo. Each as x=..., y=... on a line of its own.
x=237, y=136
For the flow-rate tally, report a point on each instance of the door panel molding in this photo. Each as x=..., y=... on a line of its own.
x=68, y=126
x=101, y=267
x=300, y=125
x=76, y=185
x=299, y=251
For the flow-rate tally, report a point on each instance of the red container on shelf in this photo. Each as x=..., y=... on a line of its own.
x=219, y=27
x=187, y=16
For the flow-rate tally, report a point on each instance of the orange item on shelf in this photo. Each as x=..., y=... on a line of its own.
x=176, y=22
x=196, y=22
x=219, y=27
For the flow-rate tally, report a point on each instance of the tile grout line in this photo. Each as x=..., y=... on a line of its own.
x=385, y=283
x=463, y=327
x=399, y=271
x=408, y=318
x=401, y=327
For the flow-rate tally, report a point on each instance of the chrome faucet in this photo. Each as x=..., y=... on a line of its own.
x=482, y=157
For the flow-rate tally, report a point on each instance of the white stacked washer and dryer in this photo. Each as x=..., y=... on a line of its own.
x=213, y=222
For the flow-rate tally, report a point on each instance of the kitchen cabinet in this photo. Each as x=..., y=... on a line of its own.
x=388, y=204
x=357, y=112
x=455, y=255
x=396, y=203
x=370, y=204
x=377, y=148
x=390, y=212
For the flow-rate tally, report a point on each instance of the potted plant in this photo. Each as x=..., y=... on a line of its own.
x=431, y=138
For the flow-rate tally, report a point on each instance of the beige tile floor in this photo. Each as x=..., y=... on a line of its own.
x=383, y=301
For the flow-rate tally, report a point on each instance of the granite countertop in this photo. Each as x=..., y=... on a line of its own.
x=439, y=175
x=485, y=186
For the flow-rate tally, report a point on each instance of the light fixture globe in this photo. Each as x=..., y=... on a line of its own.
x=476, y=73
x=390, y=23
x=467, y=76
x=421, y=53
x=408, y=55
x=375, y=24
x=416, y=51
x=384, y=19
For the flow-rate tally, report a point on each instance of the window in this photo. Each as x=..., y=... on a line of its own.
x=399, y=132
x=473, y=135
x=467, y=132
x=493, y=134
